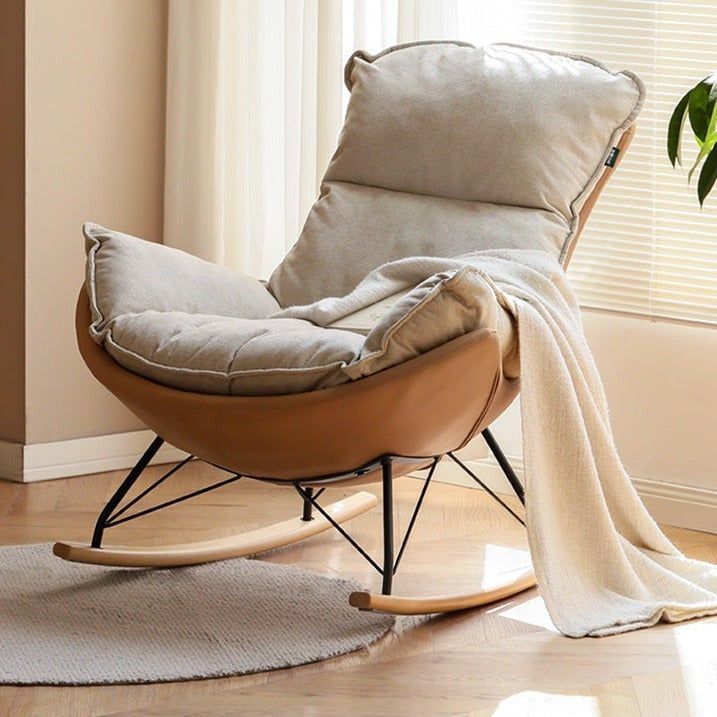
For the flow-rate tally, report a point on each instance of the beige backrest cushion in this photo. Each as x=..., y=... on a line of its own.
x=447, y=149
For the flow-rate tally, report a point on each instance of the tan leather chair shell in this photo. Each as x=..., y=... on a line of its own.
x=423, y=407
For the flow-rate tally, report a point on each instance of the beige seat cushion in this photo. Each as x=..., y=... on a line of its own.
x=254, y=355
x=226, y=355
x=447, y=149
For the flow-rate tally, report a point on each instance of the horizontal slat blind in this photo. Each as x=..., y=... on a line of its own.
x=648, y=248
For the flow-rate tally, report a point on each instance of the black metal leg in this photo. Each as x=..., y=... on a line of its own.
x=416, y=511
x=308, y=508
x=389, y=565
x=313, y=499
x=120, y=493
x=387, y=466
x=504, y=464
x=491, y=493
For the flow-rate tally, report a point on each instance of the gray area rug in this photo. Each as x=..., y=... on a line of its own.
x=63, y=623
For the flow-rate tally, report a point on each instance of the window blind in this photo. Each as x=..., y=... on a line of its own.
x=648, y=248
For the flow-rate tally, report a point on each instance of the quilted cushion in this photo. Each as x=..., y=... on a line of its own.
x=226, y=355
x=448, y=149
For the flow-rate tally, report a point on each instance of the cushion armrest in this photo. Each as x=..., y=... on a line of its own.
x=127, y=275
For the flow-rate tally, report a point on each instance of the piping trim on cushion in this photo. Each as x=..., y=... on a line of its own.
x=368, y=57
x=93, y=246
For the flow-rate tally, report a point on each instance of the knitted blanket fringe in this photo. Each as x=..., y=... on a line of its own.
x=602, y=563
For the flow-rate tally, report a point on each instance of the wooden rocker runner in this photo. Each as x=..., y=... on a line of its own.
x=388, y=424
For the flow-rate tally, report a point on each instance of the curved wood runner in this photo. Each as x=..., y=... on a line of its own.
x=396, y=605
x=207, y=551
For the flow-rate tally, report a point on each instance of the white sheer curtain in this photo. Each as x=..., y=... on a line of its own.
x=255, y=102
x=250, y=106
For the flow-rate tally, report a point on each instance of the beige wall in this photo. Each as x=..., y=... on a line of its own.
x=95, y=78
x=12, y=219
x=661, y=384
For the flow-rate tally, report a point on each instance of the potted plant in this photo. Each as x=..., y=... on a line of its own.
x=700, y=105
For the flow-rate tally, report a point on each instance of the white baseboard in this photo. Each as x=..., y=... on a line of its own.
x=485, y=468
x=62, y=459
x=680, y=505
x=669, y=503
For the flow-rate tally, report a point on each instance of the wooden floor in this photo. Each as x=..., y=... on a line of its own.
x=505, y=660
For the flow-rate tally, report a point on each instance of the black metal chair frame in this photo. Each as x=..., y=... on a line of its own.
x=112, y=514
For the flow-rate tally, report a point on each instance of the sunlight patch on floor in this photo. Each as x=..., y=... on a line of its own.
x=696, y=641
x=531, y=612
x=541, y=704
x=499, y=560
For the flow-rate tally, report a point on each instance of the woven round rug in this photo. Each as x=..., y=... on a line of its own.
x=68, y=624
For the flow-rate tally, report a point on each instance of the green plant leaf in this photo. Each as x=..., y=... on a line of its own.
x=708, y=176
x=674, y=130
x=712, y=128
x=701, y=105
x=705, y=149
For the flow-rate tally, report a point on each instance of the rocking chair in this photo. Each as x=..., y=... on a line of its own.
x=443, y=136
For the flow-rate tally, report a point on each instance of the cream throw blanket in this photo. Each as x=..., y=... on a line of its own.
x=603, y=565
